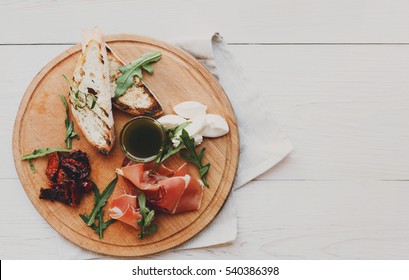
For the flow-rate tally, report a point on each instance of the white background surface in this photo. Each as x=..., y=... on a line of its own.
x=336, y=76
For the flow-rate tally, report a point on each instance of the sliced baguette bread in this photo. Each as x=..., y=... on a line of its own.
x=137, y=100
x=90, y=94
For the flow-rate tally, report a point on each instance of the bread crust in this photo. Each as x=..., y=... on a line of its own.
x=96, y=124
x=137, y=100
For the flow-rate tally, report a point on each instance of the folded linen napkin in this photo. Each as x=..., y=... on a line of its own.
x=253, y=116
x=256, y=154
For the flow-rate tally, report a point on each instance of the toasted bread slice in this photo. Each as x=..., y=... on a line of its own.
x=90, y=94
x=137, y=100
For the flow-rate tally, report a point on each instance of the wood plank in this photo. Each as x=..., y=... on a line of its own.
x=342, y=106
x=277, y=220
x=278, y=21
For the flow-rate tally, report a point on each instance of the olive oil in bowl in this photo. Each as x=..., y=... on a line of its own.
x=142, y=139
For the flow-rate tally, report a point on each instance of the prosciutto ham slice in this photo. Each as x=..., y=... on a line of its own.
x=170, y=191
x=124, y=208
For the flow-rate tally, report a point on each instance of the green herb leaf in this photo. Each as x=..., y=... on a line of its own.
x=64, y=101
x=94, y=101
x=85, y=218
x=69, y=125
x=97, y=194
x=97, y=212
x=100, y=215
x=180, y=128
x=201, y=154
x=32, y=168
x=108, y=223
x=147, y=227
x=169, y=150
x=137, y=72
x=66, y=79
x=102, y=200
x=150, y=230
x=79, y=102
x=125, y=80
x=75, y=135
x=43, y=152
x=148, y=68
x=149, y=218
x=142, y=204
x=193, y=157
x=189, y=143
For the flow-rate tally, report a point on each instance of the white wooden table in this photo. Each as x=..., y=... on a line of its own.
x=336, y=76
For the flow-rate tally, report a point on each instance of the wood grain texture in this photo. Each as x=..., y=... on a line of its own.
x=341, y=194
x=259, y=21
x=178, y=77
x=343, y=107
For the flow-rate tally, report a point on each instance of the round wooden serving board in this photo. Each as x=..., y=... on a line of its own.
x=40, y=123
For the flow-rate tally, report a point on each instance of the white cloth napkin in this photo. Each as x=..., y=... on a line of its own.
x=262, y=143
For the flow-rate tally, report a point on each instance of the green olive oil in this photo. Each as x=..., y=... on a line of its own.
x=142, y=139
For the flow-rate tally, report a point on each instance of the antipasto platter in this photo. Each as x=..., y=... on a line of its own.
x=126, y=145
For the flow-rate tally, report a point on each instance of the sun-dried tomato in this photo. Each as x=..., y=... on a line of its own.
x=53, y=166
x=69, y=177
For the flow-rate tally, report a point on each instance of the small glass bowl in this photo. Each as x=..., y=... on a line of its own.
x=124, y=149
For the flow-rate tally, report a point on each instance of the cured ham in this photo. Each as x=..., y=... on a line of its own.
x=191, y=198
x=124, y=209
x=167, y=190
x=170, y=192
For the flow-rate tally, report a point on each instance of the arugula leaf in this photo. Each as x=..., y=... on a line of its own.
x=101, y=226
x=193, y=157
x=69, y=125
x=100, y=215
x=84, y=217
x=32, y=168
x=97, y=194
x=169, y=150
x=102, y=200
x=43, y=152
x=179, y=128
x=108, y=223
x=125, y=80
x=147, y=227
x=66, y=79
x=148, y=68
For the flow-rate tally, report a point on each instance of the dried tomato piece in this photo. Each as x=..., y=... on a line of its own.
x=53, y=166
x=69, y=176
x=74, y=169
x=61, y=177
x=76, y=193
x=57, y=193
x=86, y=185
x=79, y=156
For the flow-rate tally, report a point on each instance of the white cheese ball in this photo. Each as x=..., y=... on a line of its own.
x=215, y=126
x=171, y=121
x=190, y=109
